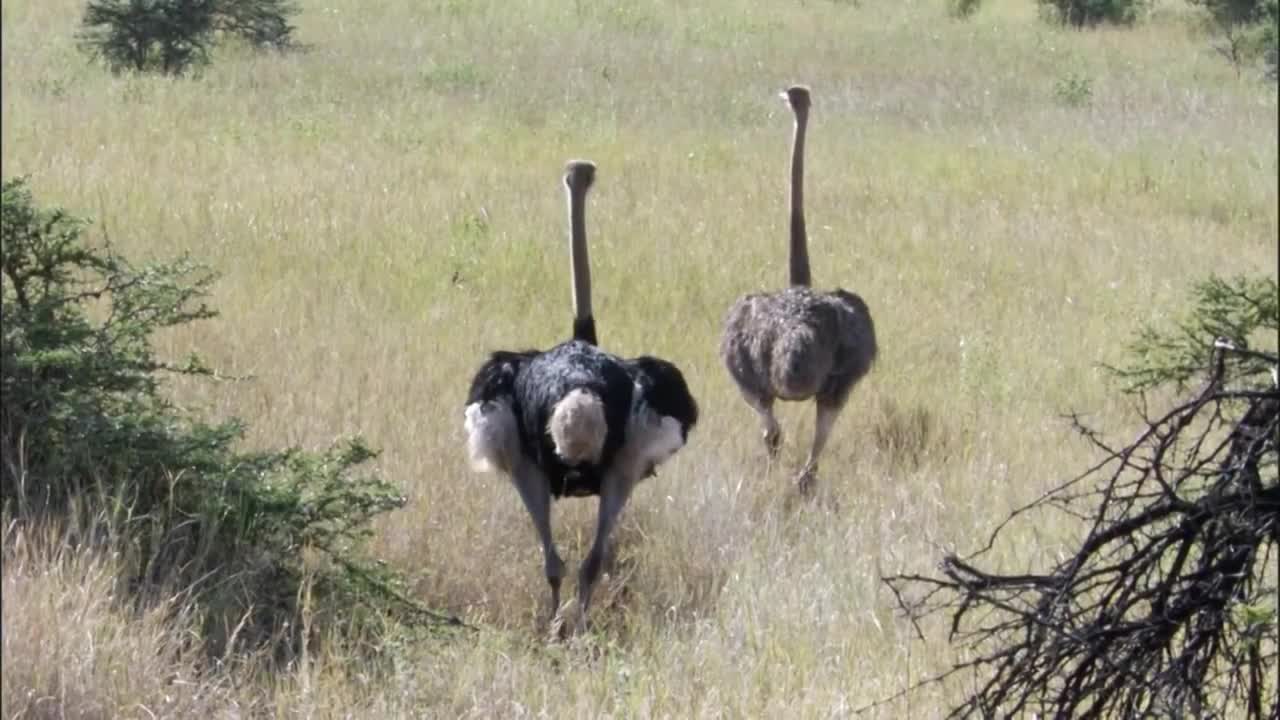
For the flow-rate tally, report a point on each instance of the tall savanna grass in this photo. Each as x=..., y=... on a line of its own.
x=385, y=208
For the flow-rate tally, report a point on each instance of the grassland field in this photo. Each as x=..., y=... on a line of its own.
x=1013, y=200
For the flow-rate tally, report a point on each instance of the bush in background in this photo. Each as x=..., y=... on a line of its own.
x=1087, y=13
x=171, y=36
x=1246, y=30
x=1270, y=40
x=963, y=9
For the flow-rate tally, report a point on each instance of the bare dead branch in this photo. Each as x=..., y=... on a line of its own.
x=1167, y=607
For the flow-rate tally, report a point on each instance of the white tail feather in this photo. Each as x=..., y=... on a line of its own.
x=651, y=440
x=492, y=440
x=578, y=428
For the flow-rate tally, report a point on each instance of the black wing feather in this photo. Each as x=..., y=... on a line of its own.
x=496, y=378
x=665, y=390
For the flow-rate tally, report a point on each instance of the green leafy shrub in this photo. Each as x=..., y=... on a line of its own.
x=171, y=36
x=1241, y=311
x=84, y=424
x=1074, y=90
x=1087, y=13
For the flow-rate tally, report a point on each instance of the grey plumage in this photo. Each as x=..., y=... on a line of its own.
x=798, y=343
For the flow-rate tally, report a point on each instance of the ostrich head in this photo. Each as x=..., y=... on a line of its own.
x=797, y=96
x=579, y=175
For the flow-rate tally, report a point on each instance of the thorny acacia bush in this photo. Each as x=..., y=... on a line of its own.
x=1167, y=605
x=171, y=36
x=85, y=429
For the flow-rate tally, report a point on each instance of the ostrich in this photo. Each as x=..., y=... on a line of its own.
x=576, y=421
x=798, y=343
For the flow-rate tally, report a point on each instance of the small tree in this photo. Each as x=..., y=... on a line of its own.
x=1167, y=605
x=165, y=35
x=171, y=36
x=1087, y=13
x=1247, y=29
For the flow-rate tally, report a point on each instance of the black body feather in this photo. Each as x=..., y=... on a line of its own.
x=547, y=379
x=534, y=382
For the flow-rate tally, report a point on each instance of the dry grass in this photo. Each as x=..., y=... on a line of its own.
x=74, y=648
x=386, y=208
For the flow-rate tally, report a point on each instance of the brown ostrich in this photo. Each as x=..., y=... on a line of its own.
x=798, y=343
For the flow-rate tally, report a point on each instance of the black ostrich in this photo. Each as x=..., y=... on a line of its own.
x=575, y=420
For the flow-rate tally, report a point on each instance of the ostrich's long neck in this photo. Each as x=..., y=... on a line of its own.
x=799, y=239
x=584, y=323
